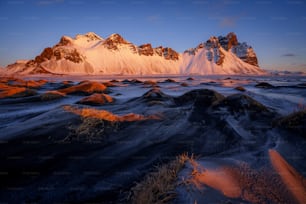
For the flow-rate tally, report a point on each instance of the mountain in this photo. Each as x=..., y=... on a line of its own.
x=222, y=55
x=241, y=50
x=91, y=54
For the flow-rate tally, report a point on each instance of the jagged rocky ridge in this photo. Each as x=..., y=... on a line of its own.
x=91, y=54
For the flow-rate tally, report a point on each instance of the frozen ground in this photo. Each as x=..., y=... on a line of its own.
x=60, y=151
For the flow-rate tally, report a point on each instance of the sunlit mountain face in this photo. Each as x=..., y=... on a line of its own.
x=91, y=54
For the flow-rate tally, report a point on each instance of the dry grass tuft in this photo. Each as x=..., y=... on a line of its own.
x=7, y=91
x=240, y=88
x=260, y=186
x=255, y=186
x=97, y=99
x=92, y=130
x=52, y=95
x=149, y=82
x=97, y=124
x=108, y=116
x=295, y=121
x=16, y=82
x=159, y=186
x=86, y=87
x=184, y=84
x=29, y=84
x=15, y=88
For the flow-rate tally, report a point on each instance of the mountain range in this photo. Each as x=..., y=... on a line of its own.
x=91, y=54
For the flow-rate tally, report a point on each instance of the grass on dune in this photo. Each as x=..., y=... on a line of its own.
x=159, y=186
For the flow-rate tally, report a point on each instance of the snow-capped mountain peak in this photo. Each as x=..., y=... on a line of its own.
x=116, y=38
x=65, y=40
x=241, y=50
x=221, y=55
x=232, y=40
x=91, y=54
x=85, y=41
x=114, y=41
x=90, y=36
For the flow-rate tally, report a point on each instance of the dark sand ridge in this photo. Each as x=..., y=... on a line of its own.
x=63, y=152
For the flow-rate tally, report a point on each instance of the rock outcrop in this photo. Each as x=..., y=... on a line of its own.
x=241, y=50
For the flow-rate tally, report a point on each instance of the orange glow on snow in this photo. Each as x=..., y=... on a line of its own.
x=253, y=185
x=218, y=179
x=294, y=181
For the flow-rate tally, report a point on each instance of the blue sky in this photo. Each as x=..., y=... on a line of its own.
x=275, y=29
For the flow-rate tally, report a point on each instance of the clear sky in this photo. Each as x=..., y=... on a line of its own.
x=275, y=29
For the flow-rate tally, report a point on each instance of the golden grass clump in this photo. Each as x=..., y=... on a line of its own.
x=96, y=124
x=86, y=87
x=30, y=83
x=91, y=130
x=159, y=186
x=93, y=126
x=15, y=88
x=241, y=181
x=8, y=91
x=108, y=116
x=97, y=99
x=293, y=121
x=52, y=95
x=15, y=92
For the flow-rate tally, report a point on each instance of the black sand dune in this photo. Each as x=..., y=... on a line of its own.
x=56, y=150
